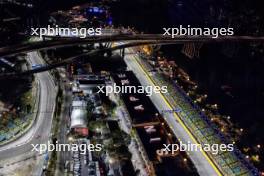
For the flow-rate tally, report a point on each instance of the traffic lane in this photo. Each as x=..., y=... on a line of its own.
x=47, y=100
x=46, y=112
x=43, y=124
x=198, y=159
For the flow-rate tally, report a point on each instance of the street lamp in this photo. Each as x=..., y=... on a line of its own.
x=97, y=130
x=247, y=156
x=70, y=139
x=111, y=160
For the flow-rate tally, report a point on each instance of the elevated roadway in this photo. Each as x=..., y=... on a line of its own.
x=159, y=38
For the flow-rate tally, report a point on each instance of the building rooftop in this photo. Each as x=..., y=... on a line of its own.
x=78, y=118
x=79, y=103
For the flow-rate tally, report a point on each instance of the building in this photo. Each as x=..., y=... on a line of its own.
x=78, y=118
x=79, y=103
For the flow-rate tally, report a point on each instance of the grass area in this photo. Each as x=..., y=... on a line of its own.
x=19, y=115
x=27, y=101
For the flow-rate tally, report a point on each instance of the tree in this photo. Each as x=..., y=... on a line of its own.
x=117, y=148
x=97, y=125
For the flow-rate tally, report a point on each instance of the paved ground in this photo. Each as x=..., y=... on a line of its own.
x=62, y=134
x=202, y=164
x=40, y=131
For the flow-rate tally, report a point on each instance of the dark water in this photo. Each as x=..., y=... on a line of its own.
x=235, y=65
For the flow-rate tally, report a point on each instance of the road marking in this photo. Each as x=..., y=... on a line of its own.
x=181, y=122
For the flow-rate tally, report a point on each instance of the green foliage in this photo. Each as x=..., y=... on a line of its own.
x=95, y=125
x=117, y=147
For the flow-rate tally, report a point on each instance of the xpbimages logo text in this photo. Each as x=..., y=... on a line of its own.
x=65, y=32
x=148, y=90
x=187, y=147
x=196, y=31
x=58, y=147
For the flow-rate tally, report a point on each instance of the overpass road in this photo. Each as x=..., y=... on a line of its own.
x=71, y=41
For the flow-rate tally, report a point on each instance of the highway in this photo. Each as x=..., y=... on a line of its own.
x=88, y=55
x=203, y=164
x=40, y=131
x=159, y=38
x=131, y=40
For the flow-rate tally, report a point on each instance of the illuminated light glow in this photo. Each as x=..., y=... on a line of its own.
x=95, y=9
x=70, y=138
x=111, y=161
x=247, y=156
x=182, y=124
x=150, y=129
x=110, y=22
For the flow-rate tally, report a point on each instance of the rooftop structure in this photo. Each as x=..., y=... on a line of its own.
x=79, y=103
x=78, y=118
